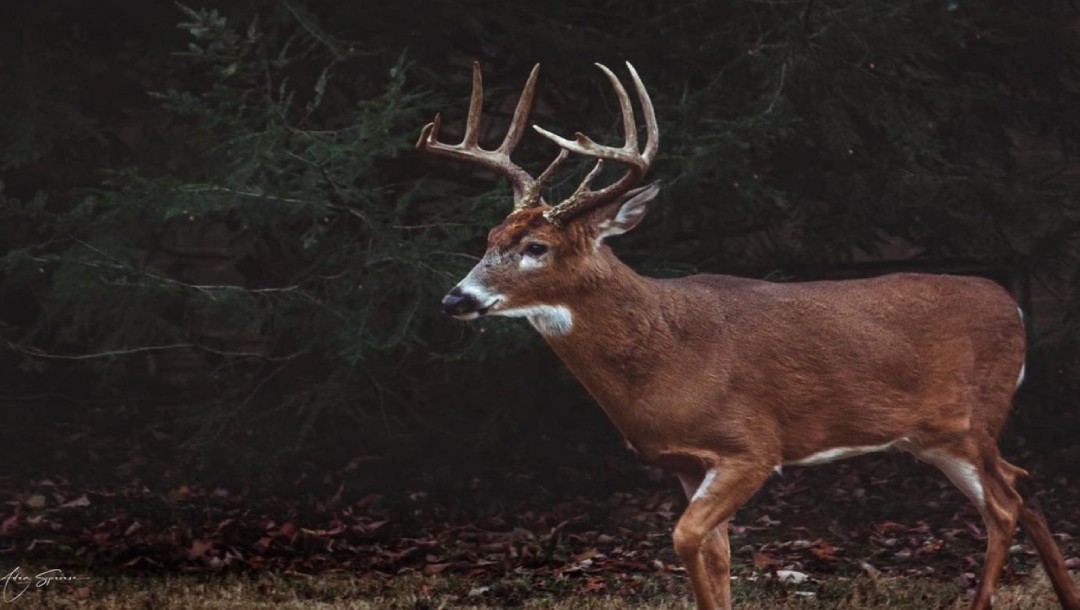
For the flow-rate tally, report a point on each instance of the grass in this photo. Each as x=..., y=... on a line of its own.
x=296, y=592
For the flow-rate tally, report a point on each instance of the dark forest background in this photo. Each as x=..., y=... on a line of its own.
x=220, y=253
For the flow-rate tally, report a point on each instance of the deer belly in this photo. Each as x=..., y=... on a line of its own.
x=839, y=453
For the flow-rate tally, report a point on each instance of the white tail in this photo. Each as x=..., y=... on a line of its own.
x=720, y=380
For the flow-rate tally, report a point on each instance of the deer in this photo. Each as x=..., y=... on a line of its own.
x=722, y=380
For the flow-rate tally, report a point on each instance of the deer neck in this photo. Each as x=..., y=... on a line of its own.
x=618, y=324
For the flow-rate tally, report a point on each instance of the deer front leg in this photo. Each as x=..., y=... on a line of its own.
x=717, y=548
x=725, y=487
x=718, y=561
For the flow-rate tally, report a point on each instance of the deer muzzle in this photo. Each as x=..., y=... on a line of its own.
x=460, y=304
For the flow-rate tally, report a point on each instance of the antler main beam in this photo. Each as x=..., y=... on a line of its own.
x=637, y=161
x=498, y=160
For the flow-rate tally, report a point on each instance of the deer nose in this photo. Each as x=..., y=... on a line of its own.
x=457, y=303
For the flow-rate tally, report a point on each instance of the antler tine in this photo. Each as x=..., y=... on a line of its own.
x=429, y=133
x=637, y=161
x=476, y=108
x=469, y=149
x=629, y=127
x=521, y=114
x=587, y=182
x=652, y=129
x=532, y=195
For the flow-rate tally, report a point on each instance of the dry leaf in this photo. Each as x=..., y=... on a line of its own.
x=199, y=548
x=77, y=502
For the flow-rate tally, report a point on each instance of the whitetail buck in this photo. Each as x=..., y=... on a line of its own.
x=721, y=380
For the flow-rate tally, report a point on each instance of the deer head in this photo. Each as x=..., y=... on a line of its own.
x=541, y=253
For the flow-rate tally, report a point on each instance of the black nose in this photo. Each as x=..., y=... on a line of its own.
x=457, y=303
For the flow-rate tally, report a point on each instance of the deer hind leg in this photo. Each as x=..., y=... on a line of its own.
x=978, y=473
x=701, y=533
x=1037, y=530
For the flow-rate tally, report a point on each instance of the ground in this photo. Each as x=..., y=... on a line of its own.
x=589, y=530
x=296, y=592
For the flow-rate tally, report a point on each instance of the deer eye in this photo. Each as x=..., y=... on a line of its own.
x=535, y=249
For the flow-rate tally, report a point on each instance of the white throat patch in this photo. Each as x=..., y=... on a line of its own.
x=549, y=320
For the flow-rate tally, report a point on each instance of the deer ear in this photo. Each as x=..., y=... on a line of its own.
x=625, y=214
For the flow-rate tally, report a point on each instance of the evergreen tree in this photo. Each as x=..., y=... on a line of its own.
x=271, y=251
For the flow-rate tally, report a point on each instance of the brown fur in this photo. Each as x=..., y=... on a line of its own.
x=514, y=228
x=737, y=376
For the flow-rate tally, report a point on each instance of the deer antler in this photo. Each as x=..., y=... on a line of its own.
x=638, y=162
x=526, y=189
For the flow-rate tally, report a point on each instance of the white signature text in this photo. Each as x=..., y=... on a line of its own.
x=15, y=582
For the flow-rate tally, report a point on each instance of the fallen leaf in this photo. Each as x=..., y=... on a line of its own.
x=435, y=568
x=9, y=524
x=77, y=502
x=824, y=552
x=763, y=561
x=287, y=530
x=791, y=576
x=594, y=584
x=199, y=548
x=587, y=555
x=870, y=570
x=478, y=591
x=891, y=526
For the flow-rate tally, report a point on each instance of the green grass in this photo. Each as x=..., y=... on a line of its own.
x=296, y=592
